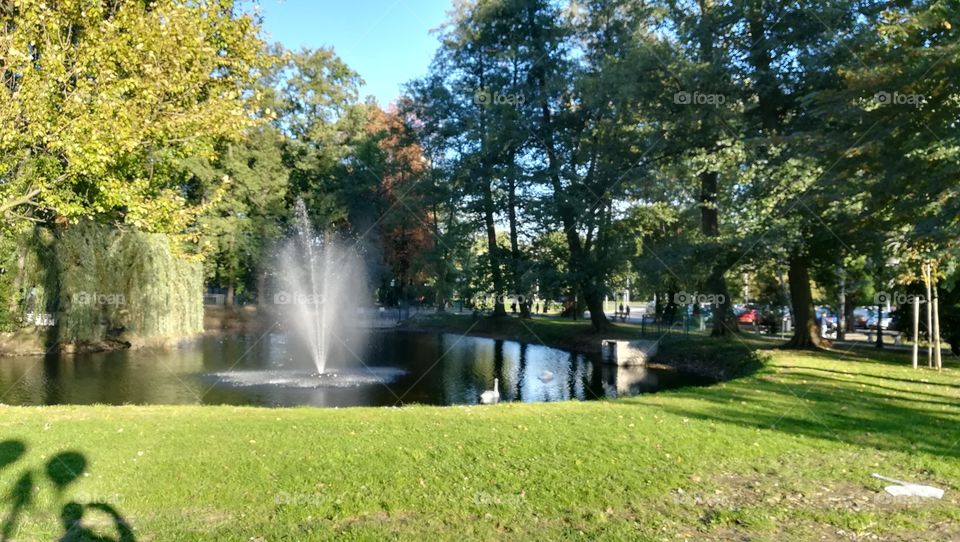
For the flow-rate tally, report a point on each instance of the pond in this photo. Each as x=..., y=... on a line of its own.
x=399, y=368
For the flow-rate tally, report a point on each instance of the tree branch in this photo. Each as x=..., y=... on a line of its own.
x=26, y=199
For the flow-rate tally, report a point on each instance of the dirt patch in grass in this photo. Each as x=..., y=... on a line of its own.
x=729, y=504
x=735, y=490
x=208, y=516
x=805, y=530
x=391, y=521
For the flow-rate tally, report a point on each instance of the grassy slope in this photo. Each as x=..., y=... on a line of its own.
x=783, y=454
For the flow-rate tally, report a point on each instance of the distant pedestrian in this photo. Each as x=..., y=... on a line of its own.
x=621, y=309
x=513, y=307
x=628, y=311
x=30, y=303
x=537, y=309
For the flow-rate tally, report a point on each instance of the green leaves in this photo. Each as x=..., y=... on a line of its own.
x=106, y=100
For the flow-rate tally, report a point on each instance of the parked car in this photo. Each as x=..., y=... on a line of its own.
x=774, y=318
x=748, y=317
x=885, y=322
x=860, y=317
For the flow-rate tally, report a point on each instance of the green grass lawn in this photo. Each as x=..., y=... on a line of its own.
x=783, y=454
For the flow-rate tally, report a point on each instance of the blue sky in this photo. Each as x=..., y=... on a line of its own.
x=388, y=42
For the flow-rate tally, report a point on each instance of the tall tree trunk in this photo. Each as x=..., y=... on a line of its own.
x=928, y=282
x=515, y=275
x=567, y=217
x=488, y=205
x=493, y=250
x=848, y=316
x=723, y=319
x=842, y=318
x=441, y=266
x=805, y=332
x=512, y=222
x=261, y=288
x=937, y=356
x=440, y=302
x=565, y=211
x=594, y=301
x=879, y=342
x=769, y=104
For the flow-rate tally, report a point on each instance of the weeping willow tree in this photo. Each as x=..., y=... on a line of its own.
x=100, y=103
x=27, y=259
x=103, y=283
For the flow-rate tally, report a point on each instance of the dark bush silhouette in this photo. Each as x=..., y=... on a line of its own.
x=62, y=470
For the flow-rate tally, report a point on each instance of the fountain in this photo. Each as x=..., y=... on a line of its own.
x=323, y=286
x=319, y=298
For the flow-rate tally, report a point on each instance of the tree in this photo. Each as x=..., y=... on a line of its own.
x=703, y=127
x=319, y=114
x=237, y=230
x=474, y=68
x=584, y=113
x=903, y=120
x=100, y=100
x=440, y=193
x=792, y=53
x=403, y=218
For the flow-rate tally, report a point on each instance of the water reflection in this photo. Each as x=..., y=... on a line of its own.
x=631, y=380
x=438, y=369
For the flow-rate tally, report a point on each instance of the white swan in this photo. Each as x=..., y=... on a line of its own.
x=545, y=377
x=490, y=397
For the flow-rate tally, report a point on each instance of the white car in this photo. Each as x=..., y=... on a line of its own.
x=884, y=323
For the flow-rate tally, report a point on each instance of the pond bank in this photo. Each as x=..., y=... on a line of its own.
x=717, y=360
x=39, y=341
x=36, y=341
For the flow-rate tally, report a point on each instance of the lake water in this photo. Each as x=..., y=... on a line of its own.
x=397, y=368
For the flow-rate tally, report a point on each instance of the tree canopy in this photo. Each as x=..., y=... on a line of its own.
x=563, y=151
x=100, y=101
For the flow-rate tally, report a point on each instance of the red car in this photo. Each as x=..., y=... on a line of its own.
x=748, y=317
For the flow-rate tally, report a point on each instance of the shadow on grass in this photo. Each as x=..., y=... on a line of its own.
x=61, y=470
x=835, y=409
x=885, y=356
x=918, y=381
x=901, y=391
